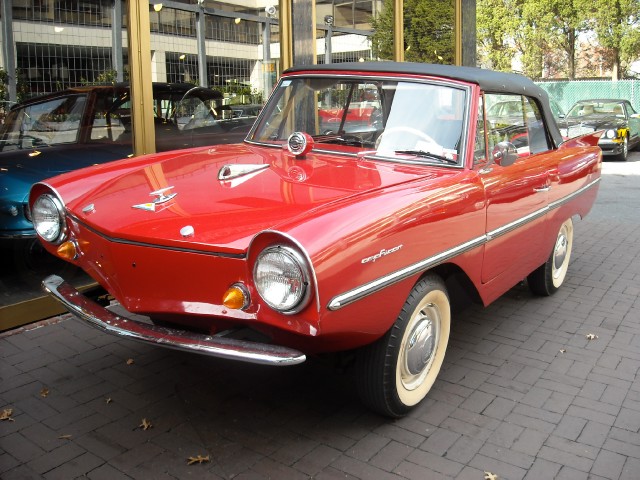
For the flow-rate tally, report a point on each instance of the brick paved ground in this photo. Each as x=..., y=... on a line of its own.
x=508, y=400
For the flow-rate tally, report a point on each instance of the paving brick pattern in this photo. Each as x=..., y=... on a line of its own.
x=523, y=394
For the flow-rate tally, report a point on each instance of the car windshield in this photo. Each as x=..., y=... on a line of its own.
x=48, y=123
x=596, y=108
x=401, y=120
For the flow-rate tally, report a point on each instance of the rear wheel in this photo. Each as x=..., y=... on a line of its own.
x=548, y=277
x=397, y=371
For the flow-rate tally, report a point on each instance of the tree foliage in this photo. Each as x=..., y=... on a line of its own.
x=617, y=26
x=429, y=27
x=496, y=24
x=560, y=24
x=22, y=89
x=4, y=80
x=546, y=35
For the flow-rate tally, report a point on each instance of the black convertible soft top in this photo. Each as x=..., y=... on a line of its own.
x=488, y=80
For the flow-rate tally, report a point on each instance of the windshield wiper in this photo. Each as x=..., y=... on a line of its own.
x=434, y=156
x=345, y=139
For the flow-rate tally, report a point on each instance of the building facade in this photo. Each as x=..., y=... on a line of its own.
x=55, y=44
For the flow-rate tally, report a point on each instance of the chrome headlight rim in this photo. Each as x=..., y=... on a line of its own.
x=61, y=233
x=301, y=264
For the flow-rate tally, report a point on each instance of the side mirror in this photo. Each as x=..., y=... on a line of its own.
x=504, y=154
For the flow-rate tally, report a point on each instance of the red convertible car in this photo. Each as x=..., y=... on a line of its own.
x=299, y=241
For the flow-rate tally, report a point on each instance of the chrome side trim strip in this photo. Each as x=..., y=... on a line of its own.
x=357, y=293
x=516, y=223
x=215, y=346
x=369, y=288
x=568, y=198
x=332, y=152
x=263, y=144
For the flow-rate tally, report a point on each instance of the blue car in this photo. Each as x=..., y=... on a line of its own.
x=85, y=126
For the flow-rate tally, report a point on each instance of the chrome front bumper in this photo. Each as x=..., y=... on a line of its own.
x=609, y=147
x=214, y=346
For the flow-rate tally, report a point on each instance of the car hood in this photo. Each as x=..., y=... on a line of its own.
x=219, y=198
x=19, y=169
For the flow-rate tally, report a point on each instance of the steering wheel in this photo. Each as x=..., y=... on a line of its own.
x=410, y=130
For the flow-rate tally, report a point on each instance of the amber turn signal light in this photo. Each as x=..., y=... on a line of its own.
x=236, y=297
x=68, y=250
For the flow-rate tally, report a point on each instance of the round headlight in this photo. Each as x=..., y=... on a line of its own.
x=611, y=133
x=282, y=279
x=48, y=218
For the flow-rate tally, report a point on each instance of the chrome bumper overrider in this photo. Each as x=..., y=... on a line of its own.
x=215, y=346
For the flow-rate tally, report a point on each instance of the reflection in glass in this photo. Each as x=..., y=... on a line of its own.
x=389, y=118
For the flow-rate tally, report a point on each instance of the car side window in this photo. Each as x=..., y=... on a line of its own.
x=538, y=138
x=515, y=119
x=48, y=123
x=107, y=124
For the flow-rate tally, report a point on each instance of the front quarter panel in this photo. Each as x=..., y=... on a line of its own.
x=385, y=236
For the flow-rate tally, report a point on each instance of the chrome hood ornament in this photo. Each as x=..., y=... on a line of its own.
x=161, y=198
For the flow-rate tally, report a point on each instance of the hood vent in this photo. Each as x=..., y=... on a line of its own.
x=235, y=170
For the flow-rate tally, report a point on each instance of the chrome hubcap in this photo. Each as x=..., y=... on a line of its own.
x=421, y=346
x=560, y=253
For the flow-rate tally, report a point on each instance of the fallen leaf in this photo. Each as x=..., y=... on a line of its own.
x=198, y=459
x=591, y=336
x=145, y=425
x=44, y=392
x=6, y=414
x=490, y=476
x=130, y=361
x=64, y=437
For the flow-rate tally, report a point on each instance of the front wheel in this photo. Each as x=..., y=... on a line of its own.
x=397, y=371
x=625, y=149
x=549, y=276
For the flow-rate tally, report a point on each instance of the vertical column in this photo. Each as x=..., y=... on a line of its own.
x=297, y=32
x=468, y=29
x=158, y=66
x=140, y=72
x=303, y=23
x=267, y=65
x=398, y=30
x=286, y=39
x=328, y=36
x=116, y=40
x=201, y=28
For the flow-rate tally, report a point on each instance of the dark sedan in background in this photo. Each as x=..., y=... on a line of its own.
x=618, y=119
x=84, y=126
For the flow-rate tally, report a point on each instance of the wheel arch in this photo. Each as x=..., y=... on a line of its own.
x=460, y=287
